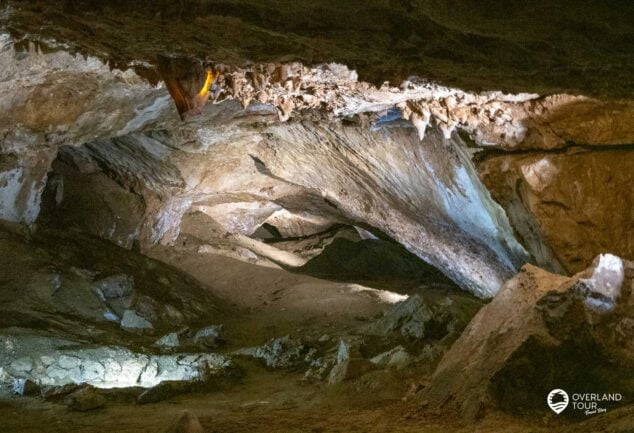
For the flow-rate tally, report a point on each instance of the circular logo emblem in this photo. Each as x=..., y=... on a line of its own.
x=557, y=400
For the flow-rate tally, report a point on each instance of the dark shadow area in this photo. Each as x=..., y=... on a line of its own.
x=379, y=263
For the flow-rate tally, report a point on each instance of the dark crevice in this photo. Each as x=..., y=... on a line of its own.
x=491, y=152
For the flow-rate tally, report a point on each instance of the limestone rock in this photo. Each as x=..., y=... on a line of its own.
x=132, y=321
x=543, y=332
x=283, y=352
x=348, y=365
x=58, y=392
x=397, y=358
x=85, y=399
x=433, y=316
x=24, y=364
x=169, y=341
x=564, y=206
x=25, y=387
x=185, y=422
x=68, y=362
x=209, y=337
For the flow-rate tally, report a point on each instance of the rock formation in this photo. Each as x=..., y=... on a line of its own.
x=319, y=202
x=542, y=332
x=568, y=206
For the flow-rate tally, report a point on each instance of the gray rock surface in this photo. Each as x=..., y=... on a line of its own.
x=543, y=331
x=168, y=341
x=51, y=363
x=25, y=387
x=132, y=321
x=397, y=358
x=283, y=352
x=209, y=336
x=432, y=316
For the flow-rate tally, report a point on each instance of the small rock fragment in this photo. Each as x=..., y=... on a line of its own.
x=186, y=422
x=132, y=321
x=57, y=392
x=397, y=358
x=85, y=399
x=168, y=341
x=25, y=387
x=210, y=336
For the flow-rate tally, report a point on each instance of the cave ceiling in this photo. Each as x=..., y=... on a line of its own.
x=541, y=46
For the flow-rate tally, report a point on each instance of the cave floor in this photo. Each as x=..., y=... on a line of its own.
x=265, y=303
x=268, y=401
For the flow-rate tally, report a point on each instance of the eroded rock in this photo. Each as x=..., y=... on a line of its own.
x=567, y=207
x=185, y=422
x=543, y=332
x=169, y=341
x=25, y=387
x=132, y=321
x=283, y=352
x=115, y=286
x=85, y=399
x=425, y=317
x=209, y=337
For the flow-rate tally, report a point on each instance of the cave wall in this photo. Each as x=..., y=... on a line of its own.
x=577, y=202
x=242, y=170
x=305, y=147
x=51, y=99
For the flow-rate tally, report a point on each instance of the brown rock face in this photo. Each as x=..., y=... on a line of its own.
x=567, y=207
x=543, y=332
x=186, y=422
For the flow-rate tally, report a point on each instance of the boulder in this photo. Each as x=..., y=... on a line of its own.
x=434, y=315
x=24, y=364
x=68, y=362
x=348, y=366
x=283, y=352
x=85, y=399
x=168, y=341
x=132, y=321
x=57, y=392
x=209, y=336
x=543, y=332
x=185, y=422
x=25, y=387
x=397, y=358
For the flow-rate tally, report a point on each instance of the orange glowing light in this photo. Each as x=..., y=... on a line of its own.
x=208, y=82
